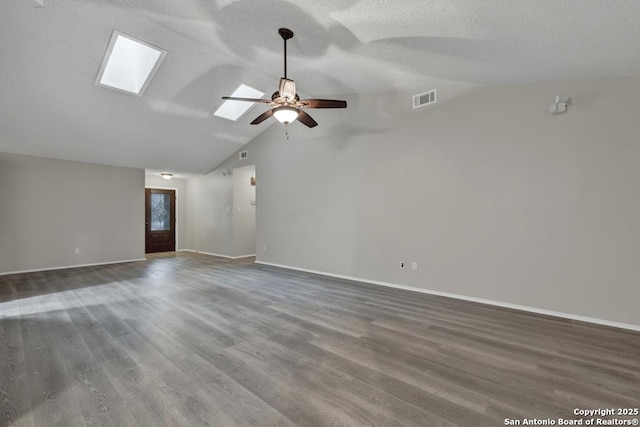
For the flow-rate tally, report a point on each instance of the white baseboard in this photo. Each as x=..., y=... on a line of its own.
x=244, y=256
x=35, y=270
x=220, y=255
x=466, y=298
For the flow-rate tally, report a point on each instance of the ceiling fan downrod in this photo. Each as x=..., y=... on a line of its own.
x=286, y=34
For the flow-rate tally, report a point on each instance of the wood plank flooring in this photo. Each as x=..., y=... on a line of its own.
x=194, y=340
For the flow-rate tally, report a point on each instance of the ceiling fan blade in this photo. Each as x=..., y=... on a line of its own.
x=262, y=117
x=322, y=103
x=306, y=119
x=232, y=98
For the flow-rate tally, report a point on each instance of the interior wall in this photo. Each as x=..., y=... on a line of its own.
x=51, y=207
x=210, y=214
x=180, y=185
x=221, y=219
x=244, y=215
x=490, y=195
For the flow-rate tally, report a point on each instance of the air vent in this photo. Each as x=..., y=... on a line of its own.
x=243, y=155
x=426, y=98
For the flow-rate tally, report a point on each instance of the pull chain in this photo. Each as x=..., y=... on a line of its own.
x=286, y=130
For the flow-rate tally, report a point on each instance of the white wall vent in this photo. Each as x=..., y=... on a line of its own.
x=426, y=98
x=243, y=155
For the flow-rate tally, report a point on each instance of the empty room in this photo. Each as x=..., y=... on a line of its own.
x=296, y=213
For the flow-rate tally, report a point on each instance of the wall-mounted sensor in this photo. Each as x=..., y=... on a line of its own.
x=561, y=105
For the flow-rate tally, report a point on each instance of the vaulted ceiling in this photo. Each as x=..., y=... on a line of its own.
x=49, y=57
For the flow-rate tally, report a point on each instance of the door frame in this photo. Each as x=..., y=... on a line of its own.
x=176, y=213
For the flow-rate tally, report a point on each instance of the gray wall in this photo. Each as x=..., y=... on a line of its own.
x=210, y=214
x=492, y=196
x=50, y=207
x=244, y=215
x=180, y=185
x=221, y=219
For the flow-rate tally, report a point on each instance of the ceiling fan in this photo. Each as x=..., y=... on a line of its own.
x=285, y=103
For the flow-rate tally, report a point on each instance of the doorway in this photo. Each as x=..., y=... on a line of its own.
x=160, y=220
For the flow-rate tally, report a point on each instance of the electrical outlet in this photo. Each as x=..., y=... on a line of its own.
x=77, y=251
x=264, y=248
x=402, y=263
x=414, y=266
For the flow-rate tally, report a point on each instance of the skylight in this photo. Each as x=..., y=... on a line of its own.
x=129, y=64
x=233, y=110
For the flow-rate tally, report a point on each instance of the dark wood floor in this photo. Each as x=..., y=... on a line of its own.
x=190, y=340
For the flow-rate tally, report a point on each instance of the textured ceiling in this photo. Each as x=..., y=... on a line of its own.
x=50, y=107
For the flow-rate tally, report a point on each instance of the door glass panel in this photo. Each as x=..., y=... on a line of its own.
x=160, y=212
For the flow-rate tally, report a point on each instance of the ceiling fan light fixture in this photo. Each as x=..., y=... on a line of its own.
x=285, y=114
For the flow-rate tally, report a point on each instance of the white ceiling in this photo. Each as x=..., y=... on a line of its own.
x=49, y=59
